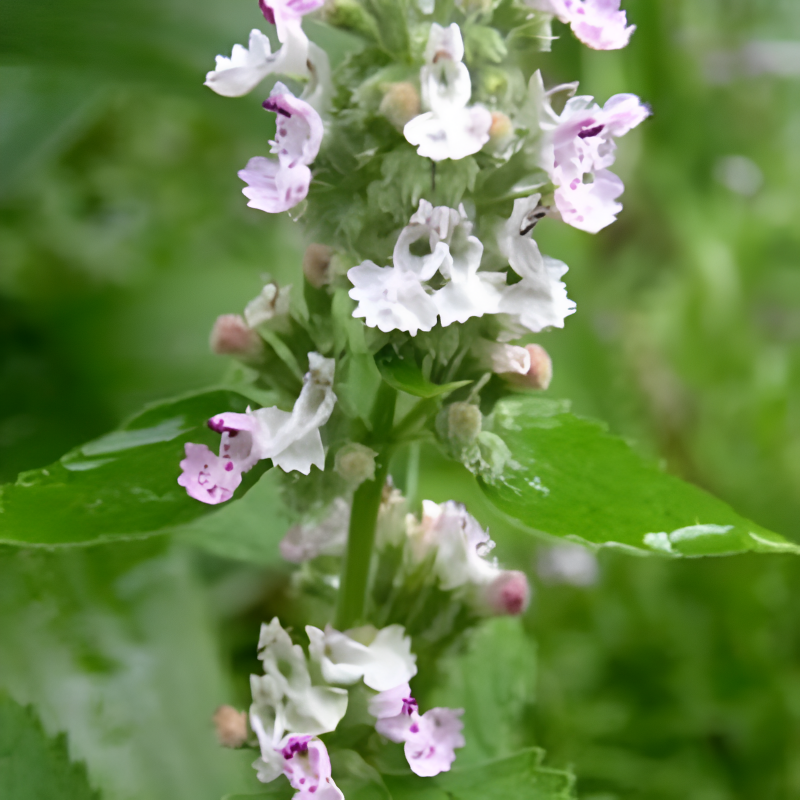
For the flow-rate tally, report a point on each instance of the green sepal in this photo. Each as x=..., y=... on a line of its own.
x=405, y=376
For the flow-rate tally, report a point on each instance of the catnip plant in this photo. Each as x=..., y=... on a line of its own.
x=419, y=169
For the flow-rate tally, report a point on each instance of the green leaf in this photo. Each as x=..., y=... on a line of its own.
x=405, y=376
x=520, y=775
x=249, y=529
x=494, y=692
x=123, y=484
x=575, y=480
x=33, y=766
x=115, y=646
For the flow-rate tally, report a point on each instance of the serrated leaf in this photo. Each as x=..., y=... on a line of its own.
x=123, y=484
x=114, y=645
x=34, y=766
x=405, y=376
x=520, y=775
x=571, y=478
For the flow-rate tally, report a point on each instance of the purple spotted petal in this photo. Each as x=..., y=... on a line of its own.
x=272, y=187
x=207, y=477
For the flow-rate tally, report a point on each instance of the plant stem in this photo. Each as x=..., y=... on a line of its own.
x=364, y=516
x=360, y=542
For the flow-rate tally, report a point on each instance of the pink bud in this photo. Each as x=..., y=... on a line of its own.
x=540, y=373
x=316, y=265
x=231, y=726
x=230, y=336
x=508, y=593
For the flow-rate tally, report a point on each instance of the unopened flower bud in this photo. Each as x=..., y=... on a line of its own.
x=316, y=265
x=400, y=104
x=231, y=336
x=541, y=370
x=272, y=304
x=231, y=726
x=501, y=129
x=463, y=422
x=356, y=463
x=509, y=593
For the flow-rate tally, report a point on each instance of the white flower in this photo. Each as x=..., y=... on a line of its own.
x=284, y=697
x=458, y=542
x=450, y=129
x=540, y=299
x=599, y=24
x=245, y=69
x=390, y=298
x=382, y=658
x=468, y=293
x=288, y=713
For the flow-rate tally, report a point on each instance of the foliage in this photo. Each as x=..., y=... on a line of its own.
x=31, y=765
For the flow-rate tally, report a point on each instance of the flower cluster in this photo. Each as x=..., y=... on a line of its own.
x=290, y=711
x=401, y=297
x=446, y=548
x=420, y=168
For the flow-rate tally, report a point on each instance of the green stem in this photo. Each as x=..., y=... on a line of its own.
x=364, y=516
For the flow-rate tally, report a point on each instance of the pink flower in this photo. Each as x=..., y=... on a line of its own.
x=599, y=24
x=298, y=132
x=430, y=739
x=207, y=477
x=213, y=479
x=291, y=439
x=578, y=148
x=275, y=186
x=307, y=765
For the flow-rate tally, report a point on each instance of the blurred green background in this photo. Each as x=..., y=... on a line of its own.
x=123, y=234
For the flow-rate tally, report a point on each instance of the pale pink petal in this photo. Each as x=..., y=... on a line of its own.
x=298, y=127
x=207, y=477
x=273, y=188
x=432, y=741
